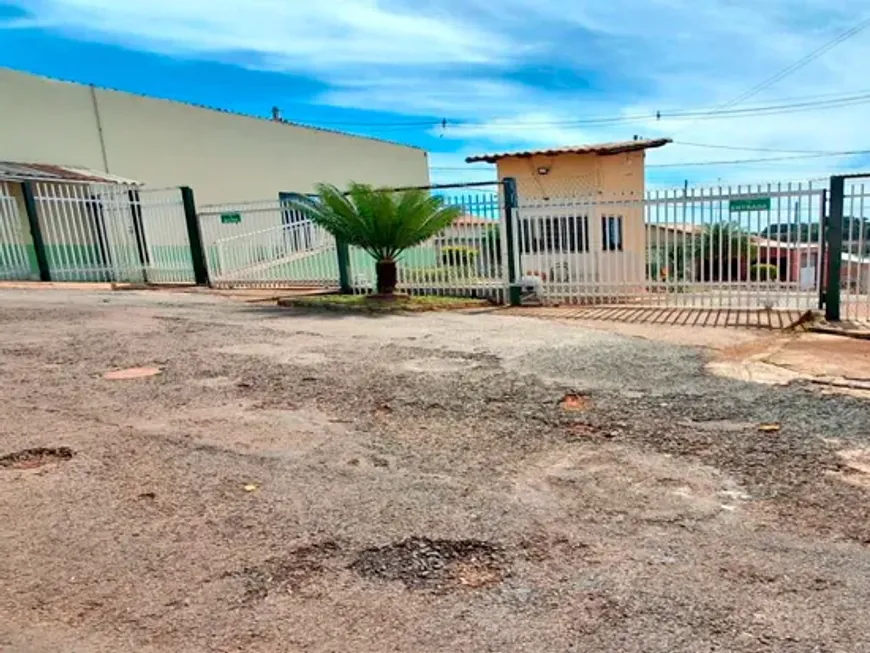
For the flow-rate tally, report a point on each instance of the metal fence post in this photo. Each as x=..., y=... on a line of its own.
x=510, y=204
x=139, y=231
x=342, y=251
x=820, y=264
x=36, y=231
x=194, y=237
x=834, y=239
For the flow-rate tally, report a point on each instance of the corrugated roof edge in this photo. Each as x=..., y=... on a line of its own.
x=219, y=110
x=602, y=149
x=49, y=172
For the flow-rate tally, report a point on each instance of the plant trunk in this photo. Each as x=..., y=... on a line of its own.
x=386, y=273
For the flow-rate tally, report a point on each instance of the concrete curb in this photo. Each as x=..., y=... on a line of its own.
x=858, y=334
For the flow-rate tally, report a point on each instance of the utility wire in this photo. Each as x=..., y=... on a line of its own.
x=716, y=146
x=760, y=160
x=797, y=65
x=770, y=110
x=781, y=105
x=800, y=63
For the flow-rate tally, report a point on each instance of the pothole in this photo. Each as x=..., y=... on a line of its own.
x=421, y=563
x=36, y=457
x=575, y=402
x=288, y=574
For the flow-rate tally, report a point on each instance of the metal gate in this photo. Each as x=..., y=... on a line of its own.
x=270, y=244
x=266, y=245
x=852, y=239
x=464, y=260
x=113, y=232
x=16, y=246
x=745, y=247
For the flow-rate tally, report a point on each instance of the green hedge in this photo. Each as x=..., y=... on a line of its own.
x=763, y=272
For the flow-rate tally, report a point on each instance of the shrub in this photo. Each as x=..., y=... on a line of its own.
x=458, y=255
x=429, y=275
x=763, y=272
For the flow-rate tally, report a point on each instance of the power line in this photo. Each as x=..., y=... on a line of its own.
x=716, y=146
x=759, y=160
x=797, y=65
x=800, y=63
x=832, y=100
x=694, y=115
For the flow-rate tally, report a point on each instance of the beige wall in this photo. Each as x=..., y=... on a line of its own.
x=576, y=175
x=224, y=157
x=585, y=185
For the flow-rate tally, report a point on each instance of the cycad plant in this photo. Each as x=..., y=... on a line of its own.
x=382, y=222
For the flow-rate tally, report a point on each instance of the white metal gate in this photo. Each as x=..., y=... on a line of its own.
x=16, y=246
x=744, y=247
x=113, y=232
x=855, y=257
x=266, y=245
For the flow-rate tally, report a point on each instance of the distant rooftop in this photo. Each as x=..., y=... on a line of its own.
x=594, y=148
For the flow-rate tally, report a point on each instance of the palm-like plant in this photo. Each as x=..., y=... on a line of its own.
x=384, y=223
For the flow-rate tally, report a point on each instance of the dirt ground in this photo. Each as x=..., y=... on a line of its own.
x=436, y=482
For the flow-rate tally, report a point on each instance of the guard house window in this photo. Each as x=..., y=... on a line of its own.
x=556, y=234
x=611, y=233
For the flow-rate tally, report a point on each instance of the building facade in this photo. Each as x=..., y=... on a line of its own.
x=223, y=156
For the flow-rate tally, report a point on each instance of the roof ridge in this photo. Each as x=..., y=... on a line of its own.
x=217, y=109
x=612, y=147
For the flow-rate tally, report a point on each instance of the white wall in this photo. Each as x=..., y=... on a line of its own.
x=223, y=156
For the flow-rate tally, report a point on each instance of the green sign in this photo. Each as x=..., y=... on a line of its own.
x=754, y=204
x=231, y=218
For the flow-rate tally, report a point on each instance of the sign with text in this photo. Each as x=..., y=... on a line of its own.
x=231, y=218
x=753, y=204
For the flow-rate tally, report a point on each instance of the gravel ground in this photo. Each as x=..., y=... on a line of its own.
x=316, y=482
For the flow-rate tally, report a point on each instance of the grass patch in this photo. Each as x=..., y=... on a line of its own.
x=365, y=303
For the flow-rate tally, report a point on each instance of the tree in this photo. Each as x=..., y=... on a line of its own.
x=721, y=249
x=384, y=223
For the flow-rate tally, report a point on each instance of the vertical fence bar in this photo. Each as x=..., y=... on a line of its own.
x=822, y=247
x=36, y=231
x=342, y=252
x=863, y=286
x=509, y=184
x=834, y=237
x=851, y=285
x=194, y=236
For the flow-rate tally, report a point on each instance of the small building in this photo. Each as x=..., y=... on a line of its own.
x=580, y=215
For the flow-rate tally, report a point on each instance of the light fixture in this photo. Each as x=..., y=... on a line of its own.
x=543, y=170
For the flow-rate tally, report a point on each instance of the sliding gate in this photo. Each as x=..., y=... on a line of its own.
x=745, y=247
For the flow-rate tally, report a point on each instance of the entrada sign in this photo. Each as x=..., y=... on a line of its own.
x=754, y=204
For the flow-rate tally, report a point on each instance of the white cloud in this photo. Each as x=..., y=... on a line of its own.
x=297, y=36
x=471, y=61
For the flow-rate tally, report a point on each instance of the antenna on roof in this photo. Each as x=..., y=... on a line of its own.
x=276, y=114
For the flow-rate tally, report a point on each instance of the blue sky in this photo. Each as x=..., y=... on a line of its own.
x=505, y=75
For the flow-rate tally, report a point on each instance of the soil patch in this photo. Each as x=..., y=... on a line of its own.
x=421, y=563
x=36, y=457
x=290, y=573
